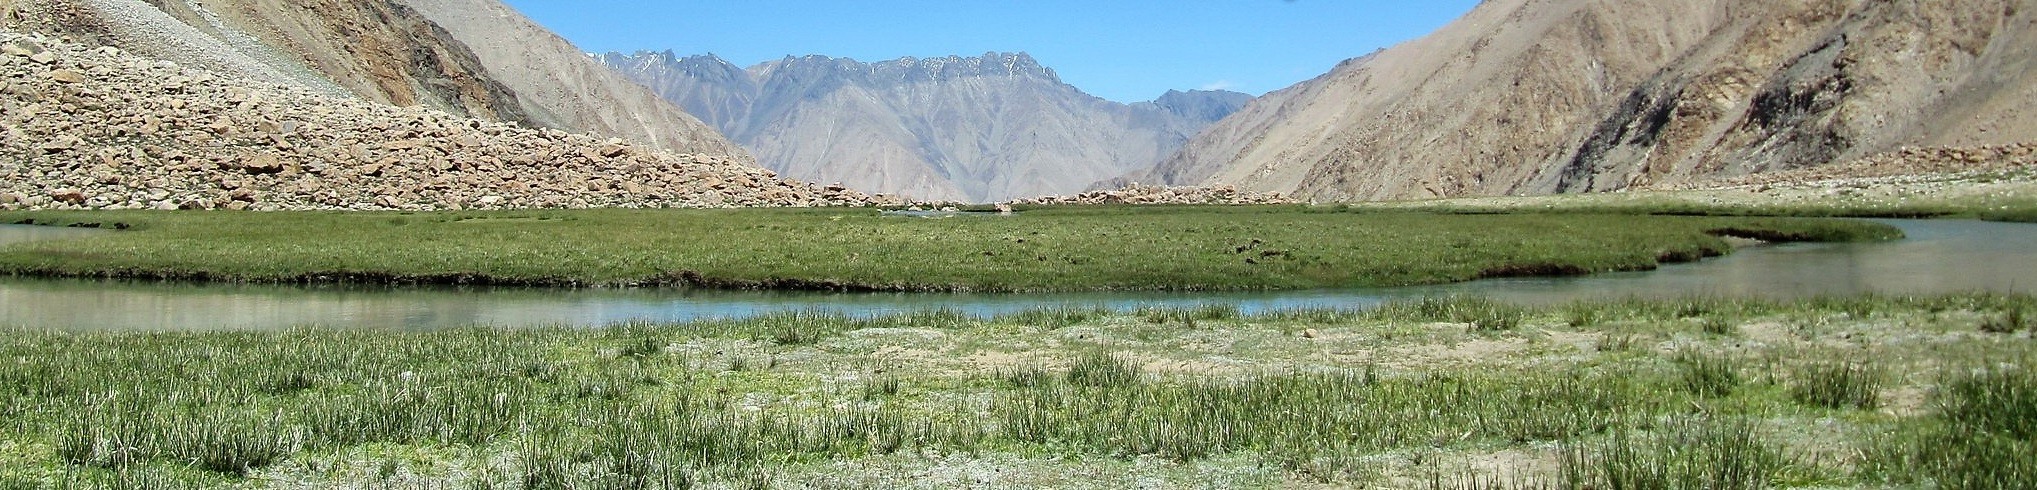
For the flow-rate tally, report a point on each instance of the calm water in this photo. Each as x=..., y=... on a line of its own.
x=1938, y=257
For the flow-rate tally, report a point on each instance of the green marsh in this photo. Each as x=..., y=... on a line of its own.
x=1051, y=249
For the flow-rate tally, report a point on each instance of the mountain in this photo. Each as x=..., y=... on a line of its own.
x=475, y=58
x=1547, y=96
x=990, y=128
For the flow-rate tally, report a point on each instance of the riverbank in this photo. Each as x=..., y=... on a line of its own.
x=1045, y=249
x=1438, y=393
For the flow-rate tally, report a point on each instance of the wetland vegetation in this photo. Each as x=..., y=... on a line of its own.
x=1435, y=393
x=1441, y=393
x=1048, y=249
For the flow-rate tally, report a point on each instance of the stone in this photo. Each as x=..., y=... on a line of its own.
x=11, y=198
x=262, y=164
x=68, y=195
x=58, y=145
x=21, y=47
x=66, y=76
x=44, y=58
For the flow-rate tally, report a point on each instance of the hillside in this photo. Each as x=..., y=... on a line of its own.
x=989, y=128
x=1547, y=96
x=98, y=128
x=474, y=58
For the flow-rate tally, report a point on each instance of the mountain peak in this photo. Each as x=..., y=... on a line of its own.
x=990, y=64
x=1204, y=105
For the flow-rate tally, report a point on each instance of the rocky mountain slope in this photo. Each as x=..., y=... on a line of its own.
x=476, y=58
x=558, y=81
x=1545, y=96
x=989, y=128
x=97, y=128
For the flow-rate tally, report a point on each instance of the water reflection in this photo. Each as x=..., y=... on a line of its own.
x=1939, y=257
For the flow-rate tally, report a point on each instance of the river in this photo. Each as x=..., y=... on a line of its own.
x=1938, y=257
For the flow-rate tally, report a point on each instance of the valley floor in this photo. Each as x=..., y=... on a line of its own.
x=1457, y=393
x=1439, y=393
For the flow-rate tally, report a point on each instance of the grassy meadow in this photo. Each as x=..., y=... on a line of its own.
x=1049, y=249
x=1449, y=393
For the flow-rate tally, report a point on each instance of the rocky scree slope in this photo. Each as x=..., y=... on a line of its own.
x=476, y=58
x=979, y=129
x=95, y=128
x=1548, y=96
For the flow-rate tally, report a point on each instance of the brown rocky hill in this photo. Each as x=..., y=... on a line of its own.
x=97, y=128
x=1546, y=96
x=476, y=58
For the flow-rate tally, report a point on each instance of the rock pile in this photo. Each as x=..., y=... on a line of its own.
x=95, y=128
x=1154, y=194
x=1906, y=163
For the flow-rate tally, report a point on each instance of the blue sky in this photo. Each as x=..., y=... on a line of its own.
x=1123, y=50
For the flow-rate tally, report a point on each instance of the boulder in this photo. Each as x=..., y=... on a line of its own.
x=66, y=76
x=262, y=164
x=67, y=195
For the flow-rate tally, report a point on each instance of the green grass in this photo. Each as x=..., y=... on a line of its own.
x=1983, y=435
x=1355, y=403
x=1838, y=385
x=1691, y=454
x=1709, y=376
x=1082, y=248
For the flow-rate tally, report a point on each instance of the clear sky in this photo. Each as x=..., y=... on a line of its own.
x=1123, y=50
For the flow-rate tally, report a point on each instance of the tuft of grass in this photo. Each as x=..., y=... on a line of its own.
x=118, y=433
x=1718, y=326
x=1616, y=342
x=1055, y=316
x=1482, y=314
x=1024, y=377
x=1102, y=370
x=881, y=387
x=1999, y=399
x=1709, y=376
x=1837, y=385
x=1728, y=454
x=2006, y=322
x=646, y=347
x=1982, y=436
